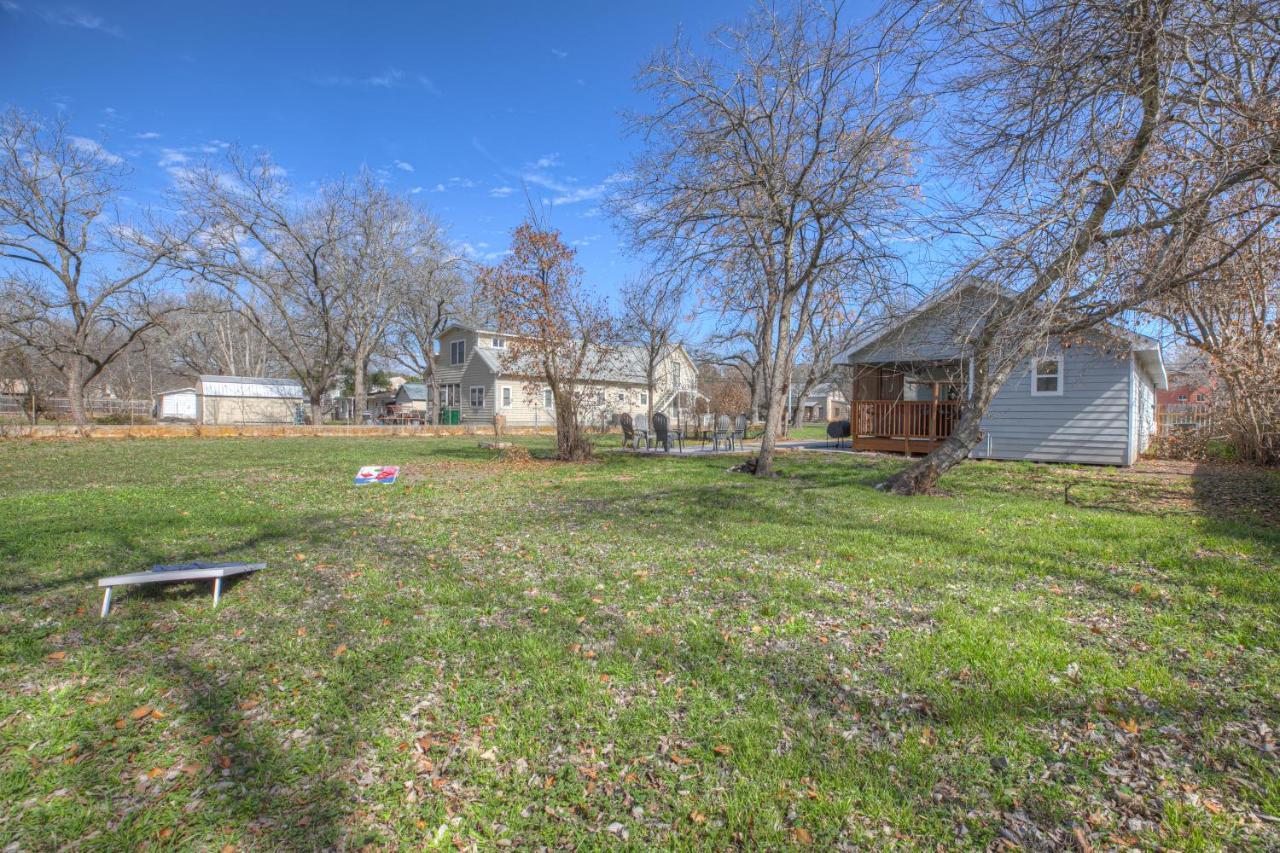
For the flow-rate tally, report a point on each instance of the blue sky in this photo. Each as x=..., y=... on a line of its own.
x=462, y=104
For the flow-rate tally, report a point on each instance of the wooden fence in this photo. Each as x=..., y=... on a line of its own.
x=1184, y=417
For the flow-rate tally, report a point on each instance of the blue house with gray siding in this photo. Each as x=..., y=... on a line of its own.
x=1089, y=400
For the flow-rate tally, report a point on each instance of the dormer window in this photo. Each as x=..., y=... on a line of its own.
x=499, y=343
x=457, y=352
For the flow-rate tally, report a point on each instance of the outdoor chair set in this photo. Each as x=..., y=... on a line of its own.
x=636, y=431
x=727, y=434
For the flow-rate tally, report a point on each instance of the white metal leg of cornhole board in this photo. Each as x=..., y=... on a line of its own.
x=213, y=573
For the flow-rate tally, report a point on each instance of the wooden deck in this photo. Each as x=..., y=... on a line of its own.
x=900, y=426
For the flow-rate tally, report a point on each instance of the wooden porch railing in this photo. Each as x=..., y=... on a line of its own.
x=907, y=425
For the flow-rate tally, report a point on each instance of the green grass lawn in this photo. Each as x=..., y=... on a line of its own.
x=640, y=651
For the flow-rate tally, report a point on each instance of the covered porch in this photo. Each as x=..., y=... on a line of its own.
x=906, y=407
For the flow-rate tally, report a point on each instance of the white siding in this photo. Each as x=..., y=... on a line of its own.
x=178, y=404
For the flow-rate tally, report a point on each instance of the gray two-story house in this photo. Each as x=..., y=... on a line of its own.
x=476, y=378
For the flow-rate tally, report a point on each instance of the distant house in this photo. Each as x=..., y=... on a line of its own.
x=1186, y=393
x=1090, y=399
x=410, y=397
x=825, y=402
x=477, y=379
x=233, y=400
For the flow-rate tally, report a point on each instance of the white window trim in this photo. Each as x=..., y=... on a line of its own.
x=471, y=396
x=1035, y=365
x=499, y=343
x=506, y=396
x=456, y=346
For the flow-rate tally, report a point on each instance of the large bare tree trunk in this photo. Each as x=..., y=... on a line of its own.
x=75, y=394
x=769, y=441
x=922, y=476
x=359, y=394
x=317, y=410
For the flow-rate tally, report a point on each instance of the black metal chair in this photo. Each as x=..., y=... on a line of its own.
x=838, y=430
x=628, y=430
x=666, y=436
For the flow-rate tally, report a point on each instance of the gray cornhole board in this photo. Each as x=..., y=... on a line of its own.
x=175, y=574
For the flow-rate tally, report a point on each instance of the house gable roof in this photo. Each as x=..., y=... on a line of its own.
x=621, y=365
x=249, y=386
x=416, y=391
x=1147, y=350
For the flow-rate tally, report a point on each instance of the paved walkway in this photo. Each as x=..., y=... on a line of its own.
x=697, y=449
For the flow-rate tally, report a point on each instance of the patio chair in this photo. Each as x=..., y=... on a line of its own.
x=628, y=430
x=641, y=427
x=722, y=434
x=666, y=436
x=740, y=430
x=838, y=430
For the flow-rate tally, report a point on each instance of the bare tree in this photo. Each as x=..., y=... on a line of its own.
x=213, y=335
x=1098, y=141
x=435, y=289
x=764, y=169
x=830, y=328
x=280, y=259
x=650, y=317
x=1231, y=317
x=82, y=285
x=388, y=236
x=562, y=335
x=736, y=349
x=26, y=376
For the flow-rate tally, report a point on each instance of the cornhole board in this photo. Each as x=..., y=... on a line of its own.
x=385, y=474
x=176, y=573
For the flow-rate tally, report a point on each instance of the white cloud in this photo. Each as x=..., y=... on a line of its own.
x=171, y=157
x=476, y=251
x=546, y=161
x=386, y=79
x=464, y=183
x=147, y=134
x=415, y=190
x=569, y=191
x=501, y=192
x=402, y=165
x=89, y=146
x=10, y=6
x=430, y=85
x=560, y=54
x=70, y=16
x=438, y=188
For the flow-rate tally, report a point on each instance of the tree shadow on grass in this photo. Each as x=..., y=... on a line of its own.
x=141, y=550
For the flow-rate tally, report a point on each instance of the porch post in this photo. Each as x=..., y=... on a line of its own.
x=933, y=415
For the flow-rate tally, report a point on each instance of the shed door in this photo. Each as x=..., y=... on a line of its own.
x=178, y=405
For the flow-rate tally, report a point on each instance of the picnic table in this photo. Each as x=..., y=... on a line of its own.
x=176, y=573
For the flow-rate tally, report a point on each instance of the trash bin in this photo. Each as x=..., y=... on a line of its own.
x=451, y=417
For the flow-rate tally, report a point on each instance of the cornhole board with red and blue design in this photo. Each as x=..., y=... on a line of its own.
x=385, y=474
